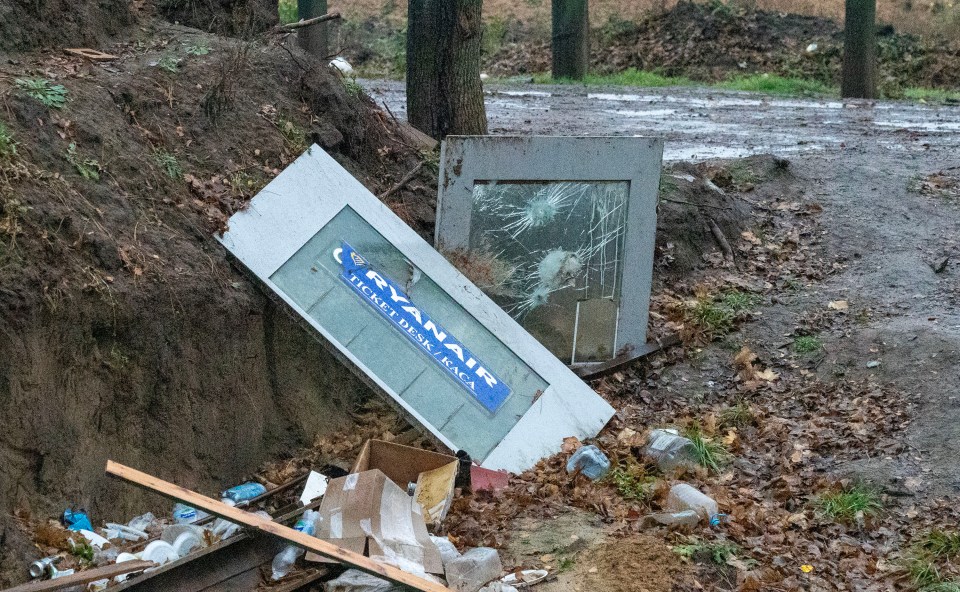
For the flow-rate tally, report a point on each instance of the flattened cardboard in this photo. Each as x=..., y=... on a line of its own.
x=368, y=513
x=434, y=473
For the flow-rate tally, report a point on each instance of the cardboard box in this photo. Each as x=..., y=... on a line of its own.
x=369, y=514
x=434, y=473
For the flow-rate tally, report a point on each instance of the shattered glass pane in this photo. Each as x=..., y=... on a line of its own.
x=550, y=254
x=312, y=279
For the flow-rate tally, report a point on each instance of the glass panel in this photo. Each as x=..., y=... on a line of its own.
x=312, y=278
x=541, y=248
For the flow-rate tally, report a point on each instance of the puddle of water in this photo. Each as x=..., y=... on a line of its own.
x=612, y=97
x=922, y=126
x=652, y=113
x=521, y=93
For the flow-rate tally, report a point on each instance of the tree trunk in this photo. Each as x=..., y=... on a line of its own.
x=571, y=39
x=313, y=39
x=444, y=93
x=860, y=50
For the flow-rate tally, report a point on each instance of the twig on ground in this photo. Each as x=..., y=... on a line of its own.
x=402, y=182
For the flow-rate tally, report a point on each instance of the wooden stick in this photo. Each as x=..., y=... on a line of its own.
x=721, y=240
x=84, y=577
x=295, y=537
x=311, y=21
x=400, y=184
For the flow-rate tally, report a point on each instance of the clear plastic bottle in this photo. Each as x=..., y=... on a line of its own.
x=474, y=569
x=244, y=492
x=683, y=496
x=590, y=461
x=670, y=449
x=284, y=560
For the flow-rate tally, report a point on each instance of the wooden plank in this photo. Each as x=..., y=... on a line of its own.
x=84, y=577
x=300, y=539
x=90, y=54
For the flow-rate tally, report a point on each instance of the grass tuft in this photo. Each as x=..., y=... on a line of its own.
x=632, y=483
x=88, y=168
x=740, y=415
x=8, y=147
x=707, y=452
x=718, y=552
x=807, y=344
x=43, y=90
x=169, y=163
x=844, y=505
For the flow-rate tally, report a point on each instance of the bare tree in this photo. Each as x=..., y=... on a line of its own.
x=571, y=39
x=313, y=39
x=859, y=78
x=444, y=92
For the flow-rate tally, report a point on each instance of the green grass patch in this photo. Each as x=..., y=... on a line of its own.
x=8, y=147
x=778, y=85
x=632, y=483
x=717, y=315
x=88, y=168
x=629, y=77
x=738, y=416
x=928, y=558
x=844, y=505
x=294, y=134
x=931, y=95
x=198, y=49
x=169, y=163
x=43, y=90
x=707, y=452
x=718, y=552
x=807, y=344
x=169, y=63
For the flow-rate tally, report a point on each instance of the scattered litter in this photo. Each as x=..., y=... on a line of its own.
x=684, y=496
x=368, y=513
x=838, y=305
x=589, y=461
x=670, y=449
x=124, y=532
x=812, y=48
x=284, y=560
x=76, y=520
x=98, y=542
x=244, y=492
x=341, y=64
x=525, y=578
x=473, y=569
x=184, y=514
x=682, y=518
x=482, y=479
x=448, y=552
x=44, y=567
x=159, y=552
x=354, y=580
x=432, y=474
x=873, y=363
x=315, y=487
x=498, y=587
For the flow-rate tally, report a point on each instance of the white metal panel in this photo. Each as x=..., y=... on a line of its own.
x=305, y=196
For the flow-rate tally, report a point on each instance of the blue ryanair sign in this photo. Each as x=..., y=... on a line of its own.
x=387, y=298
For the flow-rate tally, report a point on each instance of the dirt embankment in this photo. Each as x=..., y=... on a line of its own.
x=709, y=41
x=126, y=332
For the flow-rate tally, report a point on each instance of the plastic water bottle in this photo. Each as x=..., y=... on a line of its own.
x=670, y=449
x=244, y=492
x=284, y=560
x=683, y=496
x=591, y=461
x=473, y=569
x=184, y=514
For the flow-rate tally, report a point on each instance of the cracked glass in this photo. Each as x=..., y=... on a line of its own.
x=550, y=253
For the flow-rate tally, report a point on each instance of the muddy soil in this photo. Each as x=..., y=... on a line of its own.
x=126, y=332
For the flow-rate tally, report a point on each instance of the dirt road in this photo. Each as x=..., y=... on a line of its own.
x=698, y=124
x=862, y=163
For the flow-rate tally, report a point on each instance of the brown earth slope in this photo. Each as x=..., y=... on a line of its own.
x=126, y=332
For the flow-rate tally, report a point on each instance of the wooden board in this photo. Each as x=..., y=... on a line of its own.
x=290, y=535
x=90, y=54
x=84, y=577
